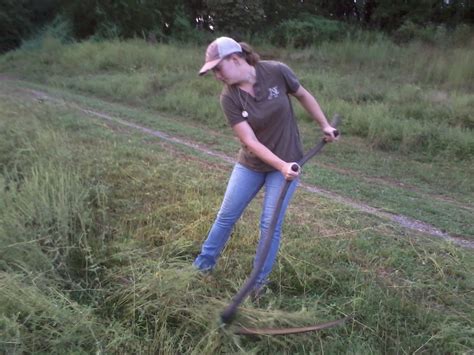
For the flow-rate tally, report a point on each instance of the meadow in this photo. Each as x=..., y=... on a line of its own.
x=99, y=223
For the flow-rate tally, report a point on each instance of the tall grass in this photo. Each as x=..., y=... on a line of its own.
x=43, y=192
x=426, y=90
x=127, y=57
x=411, y=99
x=449, y=70
x=52, y=238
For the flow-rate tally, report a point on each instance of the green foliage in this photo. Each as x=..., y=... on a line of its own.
x=192, y=21
x=307, y=31
x=236, y=16
x=462, y=35
x=182, y=29
x=20, y=18
x=439, y=35
x=58, y=32
x=129, y=18
x=14, y=24
x=278, y=11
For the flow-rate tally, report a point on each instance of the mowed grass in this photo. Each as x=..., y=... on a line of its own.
x=99, y=225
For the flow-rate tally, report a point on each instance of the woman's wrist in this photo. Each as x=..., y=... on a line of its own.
x=324, y=125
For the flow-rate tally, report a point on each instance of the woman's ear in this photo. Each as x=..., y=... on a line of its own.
x=235, y=58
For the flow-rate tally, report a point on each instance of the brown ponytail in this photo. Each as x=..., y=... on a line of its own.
x=250, y=55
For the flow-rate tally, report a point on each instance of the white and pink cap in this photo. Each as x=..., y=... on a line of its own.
x=218, y=50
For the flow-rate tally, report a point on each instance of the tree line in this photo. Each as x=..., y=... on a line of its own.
x=161, y=19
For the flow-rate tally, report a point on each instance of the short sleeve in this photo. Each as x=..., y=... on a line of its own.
x=292, y=82
x=232, y=111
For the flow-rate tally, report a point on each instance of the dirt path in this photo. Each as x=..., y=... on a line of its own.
x=397, y=184
x=401, y=220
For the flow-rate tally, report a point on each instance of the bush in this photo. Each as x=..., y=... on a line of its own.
x=306, y=31
x=433, y=34
x=50, y=37
x=14, y=24
x=406, y=32
x=184, y=31
x=462, y=35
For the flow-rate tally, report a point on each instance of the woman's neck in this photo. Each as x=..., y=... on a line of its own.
x=249, y=79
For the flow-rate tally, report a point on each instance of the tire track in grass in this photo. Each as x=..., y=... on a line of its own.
x=400, y=220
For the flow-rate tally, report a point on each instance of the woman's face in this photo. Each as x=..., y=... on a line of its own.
x=227, y=71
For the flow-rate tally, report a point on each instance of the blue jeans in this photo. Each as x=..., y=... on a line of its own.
x=243, y=185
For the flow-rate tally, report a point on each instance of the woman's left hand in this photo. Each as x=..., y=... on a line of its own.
x=331, y=134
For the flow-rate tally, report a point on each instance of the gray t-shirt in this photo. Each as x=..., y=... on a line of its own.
x=270, y=113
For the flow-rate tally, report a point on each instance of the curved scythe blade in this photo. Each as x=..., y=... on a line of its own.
x=286, y=331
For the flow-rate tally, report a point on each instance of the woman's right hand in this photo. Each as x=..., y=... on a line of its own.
x=247, y=137
x=290, y=171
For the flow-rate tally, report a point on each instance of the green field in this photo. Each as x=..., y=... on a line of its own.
x=100, y=221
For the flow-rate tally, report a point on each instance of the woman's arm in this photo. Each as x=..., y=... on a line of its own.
x=247, y=136
x=310, y=104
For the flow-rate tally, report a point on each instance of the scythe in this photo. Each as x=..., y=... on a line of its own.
x=229, y=312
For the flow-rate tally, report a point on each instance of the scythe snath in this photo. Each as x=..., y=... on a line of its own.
x=229, y=312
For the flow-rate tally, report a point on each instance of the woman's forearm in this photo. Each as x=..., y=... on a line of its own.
x=246, y=135
x=264, y=154
x=309, y=103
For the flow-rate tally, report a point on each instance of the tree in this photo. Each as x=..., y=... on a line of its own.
x=236, y=16
x=20, y=18
x=391, y=14
x=124, y=18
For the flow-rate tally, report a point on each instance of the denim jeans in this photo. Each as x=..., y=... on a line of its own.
x=243, y=185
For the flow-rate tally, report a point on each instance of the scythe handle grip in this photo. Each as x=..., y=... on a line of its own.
x=315, y=150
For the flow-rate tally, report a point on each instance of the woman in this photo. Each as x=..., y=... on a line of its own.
x=255, y=100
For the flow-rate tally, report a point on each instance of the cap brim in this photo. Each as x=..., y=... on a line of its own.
x=208, y=66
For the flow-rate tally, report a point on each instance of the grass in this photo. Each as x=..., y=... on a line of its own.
x=412, y=99
x=99, y=223
x=439, y=193
x=96, y=252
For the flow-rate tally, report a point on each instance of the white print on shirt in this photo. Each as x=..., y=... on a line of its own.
x=273, y=93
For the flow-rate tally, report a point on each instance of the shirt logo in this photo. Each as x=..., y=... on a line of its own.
x=273, y=93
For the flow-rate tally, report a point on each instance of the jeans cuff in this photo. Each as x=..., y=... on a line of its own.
x=204, y=263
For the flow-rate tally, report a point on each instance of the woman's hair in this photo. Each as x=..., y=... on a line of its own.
x=249, y=54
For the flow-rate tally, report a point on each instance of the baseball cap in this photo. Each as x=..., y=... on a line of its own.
x=218, y=50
